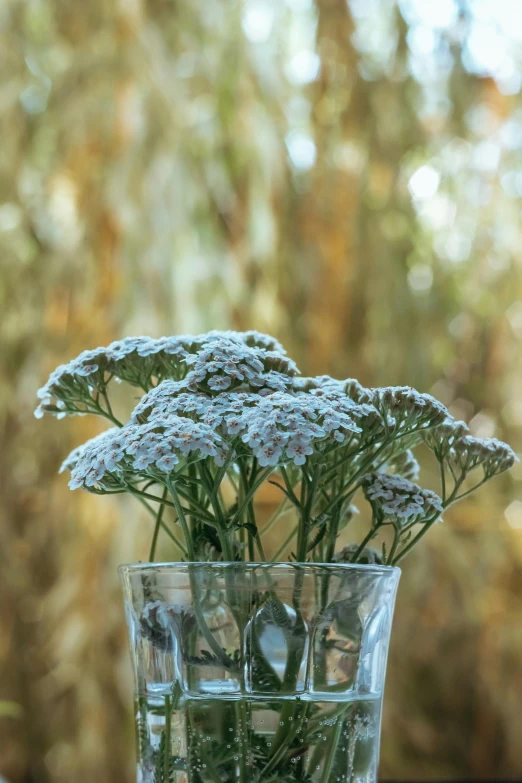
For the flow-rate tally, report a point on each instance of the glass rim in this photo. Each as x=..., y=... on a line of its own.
x=368, y=568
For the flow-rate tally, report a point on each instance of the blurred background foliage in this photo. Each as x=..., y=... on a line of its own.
x=346, y=175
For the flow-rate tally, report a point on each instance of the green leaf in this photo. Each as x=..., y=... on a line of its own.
x=317, y=538
x=274, y=612
x=252, y=529
x=207, y=658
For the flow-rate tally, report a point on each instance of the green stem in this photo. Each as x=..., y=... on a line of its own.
x=413, y=541
x=212, y=492
x=350, y=487
x=468, y=491
x=396, y=539
x=216, y=649
x=250, y=494
x=168, y=741
x=246, y=485
x=289, y=489
x=210, y=766
x=330, y=754
x=328, y=715
x=241, y=718
x=351, y=454
x=157, y=526
x=290, y=733
x=108, y=414
x=453, y=498
x=332, y=536
x=442, y=480
x=368, y=537
x=181, y=518
x=260, y=547
x=202, y=515
x=296, y=647
x=164, y=527
x=280, y=511
x=284, y=545
x=252, y=521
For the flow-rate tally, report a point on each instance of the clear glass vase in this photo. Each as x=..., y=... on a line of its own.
x=258, y=673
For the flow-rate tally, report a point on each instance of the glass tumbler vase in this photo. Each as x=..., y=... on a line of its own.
x=266, y=673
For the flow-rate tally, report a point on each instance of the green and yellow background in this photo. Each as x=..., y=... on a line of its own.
x=344, y=175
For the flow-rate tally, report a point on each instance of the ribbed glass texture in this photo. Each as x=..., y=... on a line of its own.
x=258, y=673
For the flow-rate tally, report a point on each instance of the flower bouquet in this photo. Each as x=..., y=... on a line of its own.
x=251, y=667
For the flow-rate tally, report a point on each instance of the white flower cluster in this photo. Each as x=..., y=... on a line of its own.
x=137, y=359
x=142, y=448
x=168, y=398
x=227, y=363
x=370, y=419
x=252, y=337
x=71, y=460
x=406, y=408
x=399, y=500
x=278, y=427
x=282, y=427
x=328, y=386
x=229, y=395
x=451, y=440
x=442, y=438
x=122, y=359
x=494, y=455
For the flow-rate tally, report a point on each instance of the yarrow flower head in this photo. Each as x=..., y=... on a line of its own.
x=442, y=438
x=134, y=360
x=400, y=501
x=150, y=449
x=231, y=407
x=282, y=427
x=493, y=455
x=406, y=408
x=72, y=387
x=229, y=363
x=252, y=338
x=325, y=385
x=279, y=427
x=74, y=456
